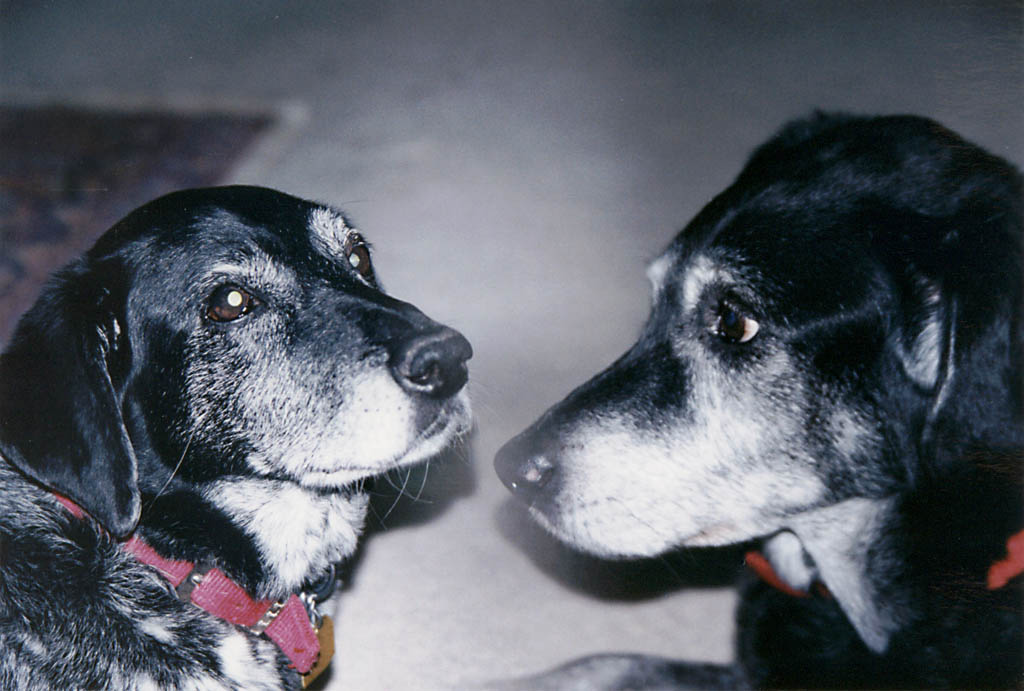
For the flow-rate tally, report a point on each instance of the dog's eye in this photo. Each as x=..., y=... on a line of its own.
x=358, y=255
x=229, y=303
x=733, y=326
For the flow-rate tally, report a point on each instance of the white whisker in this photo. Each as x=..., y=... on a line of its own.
x=173, y=472
x=423, y=483
x=401, y=491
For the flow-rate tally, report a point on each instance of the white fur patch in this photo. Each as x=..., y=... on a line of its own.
x=850, y=432
x=330, y=232
x=372, y=429
x=144, y=682
x=922, y=361
x=35, y=645
x=241, y=666
x=701, y=273
x=840, y=538
x=159, y=628
x=789, y=560
x=299, y=532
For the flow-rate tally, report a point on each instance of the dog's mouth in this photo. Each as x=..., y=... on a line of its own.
x=451, y=422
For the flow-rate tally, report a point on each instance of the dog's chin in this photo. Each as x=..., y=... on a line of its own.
x=453, y=421
x=623, y=540
x=625, y=537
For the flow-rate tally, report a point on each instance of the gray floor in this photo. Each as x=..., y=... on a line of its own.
x=515, y=164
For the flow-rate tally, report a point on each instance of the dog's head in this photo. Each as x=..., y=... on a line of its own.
x=840, y=321
x=224, y=333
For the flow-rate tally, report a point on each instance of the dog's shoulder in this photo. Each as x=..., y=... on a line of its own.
x=78, y=612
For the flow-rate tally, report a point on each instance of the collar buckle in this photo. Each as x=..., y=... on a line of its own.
x=192, y=581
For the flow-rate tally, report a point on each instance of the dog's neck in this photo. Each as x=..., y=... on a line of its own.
x=298, y=532
x=273, y=536
x=845, y=543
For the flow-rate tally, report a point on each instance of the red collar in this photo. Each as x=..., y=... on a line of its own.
x=760, y=565
x=1010, y=566
x=999, y=574
x=303, y=636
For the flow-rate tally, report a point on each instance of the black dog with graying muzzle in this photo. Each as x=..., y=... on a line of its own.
x=831, y=368
x=188, y=416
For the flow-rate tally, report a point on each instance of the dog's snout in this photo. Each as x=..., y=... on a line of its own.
x=433, y=364
x=524, y=473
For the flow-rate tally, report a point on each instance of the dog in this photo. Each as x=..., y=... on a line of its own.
x=189, y=415
x=831, y=374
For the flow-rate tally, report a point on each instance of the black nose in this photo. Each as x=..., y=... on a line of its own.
x=524, y=472
x=433, y=364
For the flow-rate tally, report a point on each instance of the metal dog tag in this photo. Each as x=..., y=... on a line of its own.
x=324, y=634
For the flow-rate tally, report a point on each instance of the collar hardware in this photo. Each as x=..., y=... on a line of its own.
x=325, y=635
x=191, y=582
x=268, y=617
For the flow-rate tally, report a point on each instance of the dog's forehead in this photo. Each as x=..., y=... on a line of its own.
x=235, y=217
x=283, y=244
x=807, y=262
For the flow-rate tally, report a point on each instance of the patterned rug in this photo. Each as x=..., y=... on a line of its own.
x=67, y=174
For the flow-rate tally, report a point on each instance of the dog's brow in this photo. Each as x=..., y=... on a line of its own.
x=330, y=231
x=700, y=273
x=260, y=269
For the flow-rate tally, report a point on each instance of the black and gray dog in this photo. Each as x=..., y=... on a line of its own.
x=831, y=367
x=216, y=378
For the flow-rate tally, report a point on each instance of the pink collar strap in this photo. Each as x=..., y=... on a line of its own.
x=1010, y=566
x=296, y=631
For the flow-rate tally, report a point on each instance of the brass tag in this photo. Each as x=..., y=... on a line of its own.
x=325, y=634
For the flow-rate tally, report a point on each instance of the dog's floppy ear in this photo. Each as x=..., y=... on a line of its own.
x=923, y=335
x=957, y=276
x=60, y=419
